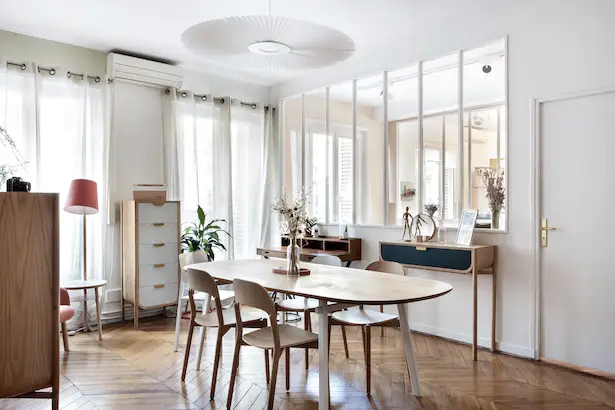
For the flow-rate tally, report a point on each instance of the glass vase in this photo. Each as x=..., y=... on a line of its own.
x=293, y=255
x=495, y=218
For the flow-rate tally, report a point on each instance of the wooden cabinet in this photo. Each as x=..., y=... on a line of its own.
x=150, y=235
x=29, y=295
x=347, y=250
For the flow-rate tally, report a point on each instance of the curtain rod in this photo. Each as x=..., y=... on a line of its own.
x=52, y=71
x=205, y=97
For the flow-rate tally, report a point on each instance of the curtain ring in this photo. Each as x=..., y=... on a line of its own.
x=253, y=106
x=222, y=100
x=204, y=98
x=167, y=91
x=184, y=94
x=23, y=67
x=68, y=74
x=97, y=79
x=52, y=71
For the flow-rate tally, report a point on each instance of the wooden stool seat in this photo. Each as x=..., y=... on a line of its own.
x=248, y=315
x=362, y=317
x=290, y=336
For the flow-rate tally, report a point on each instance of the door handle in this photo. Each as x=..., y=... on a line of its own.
x=544, y=232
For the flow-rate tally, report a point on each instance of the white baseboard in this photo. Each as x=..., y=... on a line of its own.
x=467, y=338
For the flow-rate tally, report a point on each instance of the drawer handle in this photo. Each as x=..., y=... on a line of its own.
x=158, y=223
x=159, y=286
x=159, y=265
x=158, y=203
x=421, y=248
x=158, y=245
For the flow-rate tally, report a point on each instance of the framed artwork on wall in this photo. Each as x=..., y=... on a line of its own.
x=467, y=221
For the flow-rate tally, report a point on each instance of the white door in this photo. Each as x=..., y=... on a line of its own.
x=577, y=168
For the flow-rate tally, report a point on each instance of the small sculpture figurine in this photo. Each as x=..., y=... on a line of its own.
x=407, y=217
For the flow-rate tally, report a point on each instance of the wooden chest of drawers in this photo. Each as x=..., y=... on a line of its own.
x=150, y=235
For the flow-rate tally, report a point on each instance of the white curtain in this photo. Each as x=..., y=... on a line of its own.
x=272, y=179
x=57, y=123
x=247, y=147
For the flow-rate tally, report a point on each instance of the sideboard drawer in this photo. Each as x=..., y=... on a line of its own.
x=158, y=232
x=150, y=275
x=158, y=295
x=158, y=253
x=454, y=259
x=149, y=212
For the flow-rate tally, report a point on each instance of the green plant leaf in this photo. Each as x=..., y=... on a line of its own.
x=201, y=215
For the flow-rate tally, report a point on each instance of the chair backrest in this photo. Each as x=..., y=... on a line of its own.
x=189, y=258
x=201, y=281
x=386, y=267
x=327, y=260
x=254, y=295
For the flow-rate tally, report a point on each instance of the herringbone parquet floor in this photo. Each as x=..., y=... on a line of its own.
x=139, y=370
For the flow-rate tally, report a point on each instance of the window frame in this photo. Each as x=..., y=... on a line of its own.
x=462, y=112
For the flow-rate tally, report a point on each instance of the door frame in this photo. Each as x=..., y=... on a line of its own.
x=536, y=203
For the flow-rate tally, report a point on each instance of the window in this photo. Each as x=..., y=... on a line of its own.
x=403, y=138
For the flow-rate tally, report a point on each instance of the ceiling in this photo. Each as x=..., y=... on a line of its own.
x=153, y=28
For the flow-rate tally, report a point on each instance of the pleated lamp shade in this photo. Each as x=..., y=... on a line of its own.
x=82, y=197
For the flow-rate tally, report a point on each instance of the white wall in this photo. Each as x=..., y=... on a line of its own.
x=554, y=47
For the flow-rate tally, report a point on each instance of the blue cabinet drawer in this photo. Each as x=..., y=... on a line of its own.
x=454, y=259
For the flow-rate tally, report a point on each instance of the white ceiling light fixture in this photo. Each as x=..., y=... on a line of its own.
x=268, y=43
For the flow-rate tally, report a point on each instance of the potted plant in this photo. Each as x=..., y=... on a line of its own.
x=496, y=193
x=202, y=236
x=309, y=224
x=293, y=215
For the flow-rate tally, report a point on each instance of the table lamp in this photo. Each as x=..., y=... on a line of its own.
x=82, y=200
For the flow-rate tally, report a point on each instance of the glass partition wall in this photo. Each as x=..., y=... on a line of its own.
x=371, y=147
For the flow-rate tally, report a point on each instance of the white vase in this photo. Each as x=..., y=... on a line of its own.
x=293, y=256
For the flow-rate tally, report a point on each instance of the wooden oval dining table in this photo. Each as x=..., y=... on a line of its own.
x=335, y=284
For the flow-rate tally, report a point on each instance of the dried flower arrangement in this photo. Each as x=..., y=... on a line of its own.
x=431, y=209
x=294, y=215
x=6, y=170
x=496, y=192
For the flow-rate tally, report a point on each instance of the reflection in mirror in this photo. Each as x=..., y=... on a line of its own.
x=441, y=134
x=370, y=165
x=317, y=154
x=403, y=143
x=342, y=165
x=484, y=88
x=292, y=146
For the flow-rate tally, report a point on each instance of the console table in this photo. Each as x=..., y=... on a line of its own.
x=347, y=250
x=449, y=257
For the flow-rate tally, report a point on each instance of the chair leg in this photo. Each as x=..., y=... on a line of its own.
x=235, y=365
x=368, y=359
x=218, y=353
x=65, y=336
x=178, y=319
x=287, y=360
x=329, y=324
x=267, y=370
x=363, y=340
x=345, y=341
x=309, y=320
x=274, y=376
x=187, y=354
x=306, y=326
x=201, y=345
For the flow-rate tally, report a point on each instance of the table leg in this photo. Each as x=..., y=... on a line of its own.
x=474, y=308
x=98, y=313
x=86, y=327
x=402, y=309
x=323, y=357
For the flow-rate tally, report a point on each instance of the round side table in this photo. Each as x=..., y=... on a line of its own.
x=85, y=285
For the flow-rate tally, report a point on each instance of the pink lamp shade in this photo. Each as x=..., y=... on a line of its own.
x=82, y=197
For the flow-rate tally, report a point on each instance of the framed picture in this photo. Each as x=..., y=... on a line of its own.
x=407, y=191
x=467, y=221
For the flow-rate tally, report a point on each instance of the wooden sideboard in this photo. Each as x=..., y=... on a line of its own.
x=150, y=235
x=347, y=250
x=29, y=296
x=450, y=257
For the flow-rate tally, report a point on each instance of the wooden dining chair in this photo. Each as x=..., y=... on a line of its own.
x=308, y=306
x=226, y=296
x=366, y=318
x=223, y=319
x=278, y=338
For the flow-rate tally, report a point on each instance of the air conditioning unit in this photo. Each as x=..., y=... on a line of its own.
x=138, y=70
